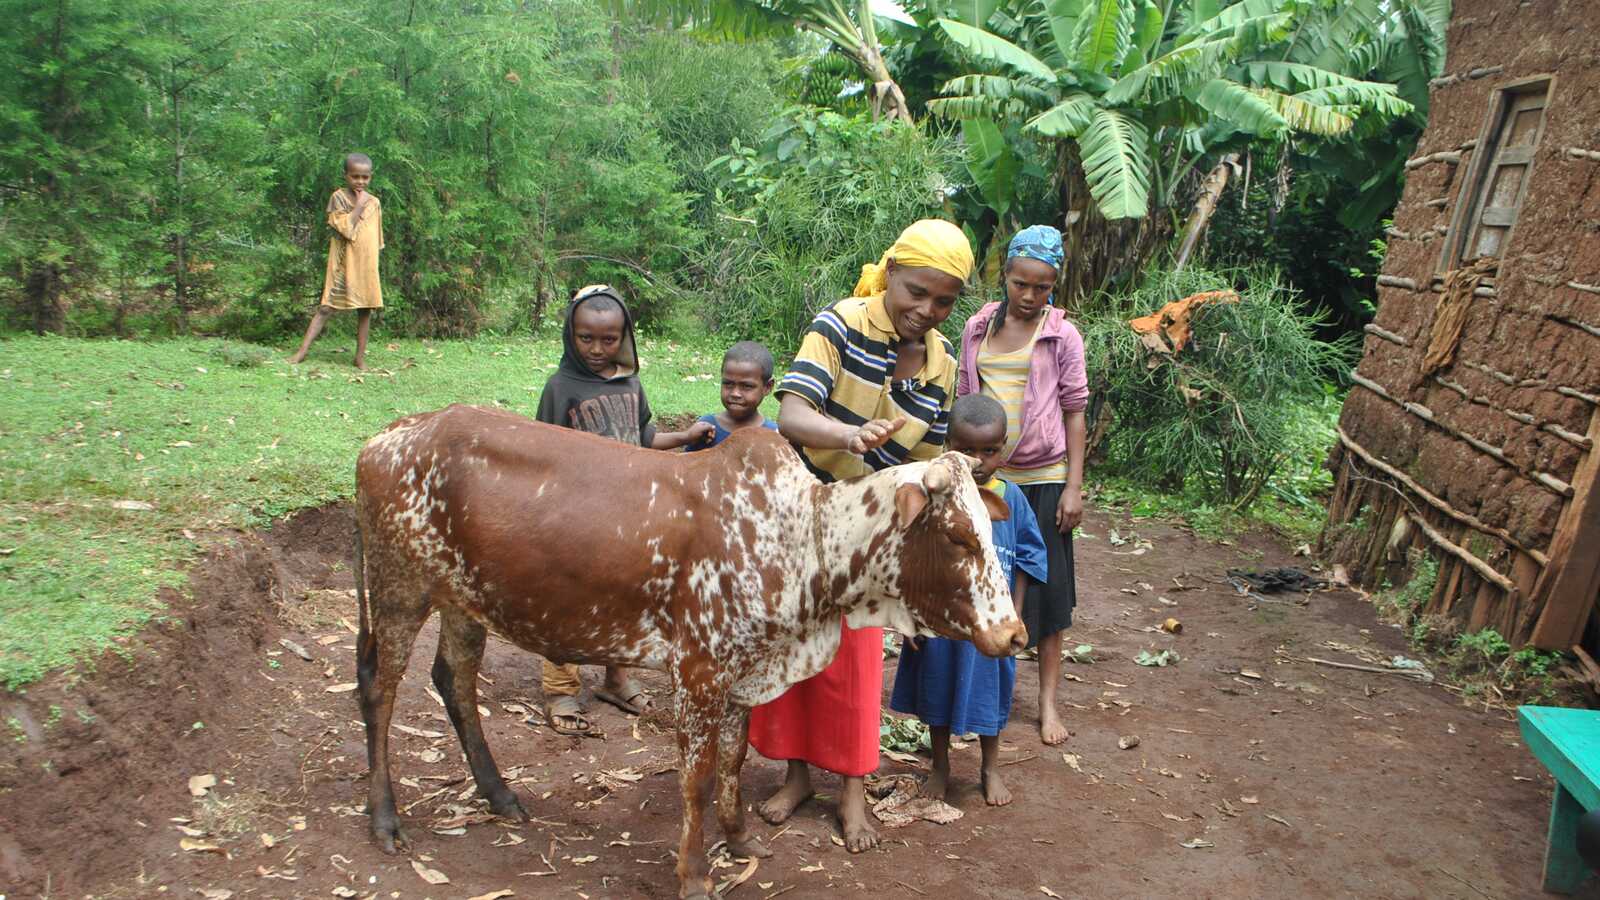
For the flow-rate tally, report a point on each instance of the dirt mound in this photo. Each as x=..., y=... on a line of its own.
x=103, y=744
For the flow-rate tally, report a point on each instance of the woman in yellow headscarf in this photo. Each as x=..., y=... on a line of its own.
x=870, y=387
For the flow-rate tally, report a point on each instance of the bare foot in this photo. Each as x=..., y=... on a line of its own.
x=995, y=792
x=937, y=785
x=296, y=359
x=360, y=365
x=1051, y=729
x=795, y=791
x=859, y=835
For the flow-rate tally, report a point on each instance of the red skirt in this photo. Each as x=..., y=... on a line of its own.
x=830, y=720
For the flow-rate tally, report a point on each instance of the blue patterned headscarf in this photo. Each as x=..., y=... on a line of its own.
x=1039, y=242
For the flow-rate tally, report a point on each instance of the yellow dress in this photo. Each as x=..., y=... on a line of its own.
x=352, y=279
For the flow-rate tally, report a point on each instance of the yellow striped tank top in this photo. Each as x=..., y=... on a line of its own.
x=1004, y=376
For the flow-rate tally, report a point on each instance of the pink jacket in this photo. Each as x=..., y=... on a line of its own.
x=1057, y=383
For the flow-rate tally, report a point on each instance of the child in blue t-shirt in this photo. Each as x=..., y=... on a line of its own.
x=746, y=381
x=948, y=684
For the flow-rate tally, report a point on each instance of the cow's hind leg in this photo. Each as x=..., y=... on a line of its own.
x=393, y=607
x=733, y=742
x=455, y=674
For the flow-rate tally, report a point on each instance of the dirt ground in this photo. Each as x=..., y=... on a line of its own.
x=1284, y=778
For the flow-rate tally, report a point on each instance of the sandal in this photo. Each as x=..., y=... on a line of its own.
x=626, y=697
x=565, y=709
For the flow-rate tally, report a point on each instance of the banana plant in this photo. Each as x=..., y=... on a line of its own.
x=1144, y=90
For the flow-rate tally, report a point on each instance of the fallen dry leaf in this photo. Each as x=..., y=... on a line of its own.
x=431, y=876
x=583, y=860
x=342, y=891
x=194, y=846
x=1048, y=893
x=343, y=688
x=495, y=895
x=215, y=893
x=268, y=841
x=1250, y=800
x=199, y=784
x=1196, y=844
x=1073, y=761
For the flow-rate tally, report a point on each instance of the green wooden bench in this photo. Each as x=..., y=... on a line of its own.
x=1567, y=741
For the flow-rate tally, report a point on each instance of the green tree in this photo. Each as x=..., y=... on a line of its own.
x=508, y=154
x=852, y=28
x=71, y=127
x=1138, y=95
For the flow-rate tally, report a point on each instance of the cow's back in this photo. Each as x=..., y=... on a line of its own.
x=569, y=544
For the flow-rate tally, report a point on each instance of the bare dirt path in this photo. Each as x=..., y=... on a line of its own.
x=1282, y=777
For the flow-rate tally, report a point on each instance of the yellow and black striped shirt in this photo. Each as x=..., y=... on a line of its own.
x=845, y=369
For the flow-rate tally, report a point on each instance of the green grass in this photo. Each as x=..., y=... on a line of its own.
x=213, y=434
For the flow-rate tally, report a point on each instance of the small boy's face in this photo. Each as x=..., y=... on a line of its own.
x=598, y=334
x=985, y=442
x=744, y=386
x=357, y=177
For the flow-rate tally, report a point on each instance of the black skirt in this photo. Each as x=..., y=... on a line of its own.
x=1047, y=608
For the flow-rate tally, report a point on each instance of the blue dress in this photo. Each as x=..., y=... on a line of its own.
x=949, y=683
x=723, y=433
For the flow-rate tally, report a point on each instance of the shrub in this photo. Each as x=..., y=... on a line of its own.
x=798, y=215
x=1225, y=414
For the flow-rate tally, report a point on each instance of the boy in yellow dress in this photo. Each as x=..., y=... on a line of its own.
x=356, y=218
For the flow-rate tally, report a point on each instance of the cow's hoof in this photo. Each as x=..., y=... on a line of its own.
x=509, y=807
x=749, y=847
x=390, y=838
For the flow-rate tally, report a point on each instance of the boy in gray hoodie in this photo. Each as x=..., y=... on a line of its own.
x=596, y=389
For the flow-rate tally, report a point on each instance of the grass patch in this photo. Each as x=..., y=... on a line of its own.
x=117, y=457
x=1291, y=502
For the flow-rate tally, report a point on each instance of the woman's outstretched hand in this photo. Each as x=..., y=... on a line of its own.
x=873, y=435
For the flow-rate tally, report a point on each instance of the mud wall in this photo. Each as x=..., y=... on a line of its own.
x=1500, y=438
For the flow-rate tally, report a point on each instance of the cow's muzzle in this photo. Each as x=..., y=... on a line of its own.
x=1006, y=638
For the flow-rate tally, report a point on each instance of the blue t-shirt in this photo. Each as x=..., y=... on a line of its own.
x=1017, y=540
x=723, y=433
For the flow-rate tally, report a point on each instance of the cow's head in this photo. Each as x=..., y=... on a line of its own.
x=950, y=579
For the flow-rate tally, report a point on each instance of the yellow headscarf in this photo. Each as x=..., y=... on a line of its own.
x=932, y=243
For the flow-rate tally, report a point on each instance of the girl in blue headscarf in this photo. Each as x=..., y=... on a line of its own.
x=1024, y=353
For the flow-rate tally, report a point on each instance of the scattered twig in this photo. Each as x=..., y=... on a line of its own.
x=1134, y=822
x=779, y=891
x=1414, y=674
x=1012, y=762
x=327, y=736
x=1481, y=891
x=912, y=889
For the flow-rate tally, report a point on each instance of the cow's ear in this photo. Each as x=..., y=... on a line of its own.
x=909, y=502
x=998, y=510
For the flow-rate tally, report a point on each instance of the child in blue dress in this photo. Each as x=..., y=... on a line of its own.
x=746, y=381
x=948, y=684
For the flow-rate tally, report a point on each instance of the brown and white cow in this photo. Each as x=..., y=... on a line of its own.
x=728, y=569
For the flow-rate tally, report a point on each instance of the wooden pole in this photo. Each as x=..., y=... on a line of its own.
x=1484, y=570
x=1565, y=592
x=1466, y=519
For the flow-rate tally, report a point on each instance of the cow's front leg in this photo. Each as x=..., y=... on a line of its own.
x=732, y=744
x=699, y=721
